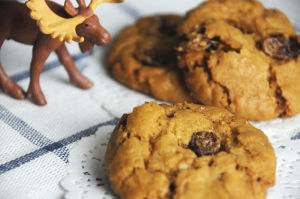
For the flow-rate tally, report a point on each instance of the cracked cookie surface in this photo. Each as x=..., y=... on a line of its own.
x=238, y=55
x=142, y=57
x=186, y=151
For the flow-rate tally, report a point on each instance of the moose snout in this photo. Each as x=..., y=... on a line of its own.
x=104, y=38
x=93, y=32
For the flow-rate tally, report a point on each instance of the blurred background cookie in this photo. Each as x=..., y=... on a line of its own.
x=188, y=151
x=143, y=58
x=238, y=55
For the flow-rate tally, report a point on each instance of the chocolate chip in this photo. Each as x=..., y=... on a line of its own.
x=150, y=57
x=279, y=47
x=205, y=143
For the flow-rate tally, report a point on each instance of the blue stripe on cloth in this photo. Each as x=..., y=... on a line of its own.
x=296, y=137
x=54, y=146
x=297, y=29
x=23, y=128
x=25, y=74
x=29, y=133
x=130, y=10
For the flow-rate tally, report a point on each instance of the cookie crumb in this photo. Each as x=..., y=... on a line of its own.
x=183, y=166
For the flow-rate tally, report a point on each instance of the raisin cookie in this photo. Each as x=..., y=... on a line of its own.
x=185, y=151
x=143, y=57
x=238, y=55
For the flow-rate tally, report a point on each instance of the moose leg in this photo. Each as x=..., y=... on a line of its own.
x=8, y=86
x=75, y=76
x=39, y=55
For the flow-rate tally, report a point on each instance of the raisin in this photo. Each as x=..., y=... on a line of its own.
x=180, y=40
x=123, y=121
x=172, y=187
x=168, y=27
x=150, y=57
x=205, y=143
x=279, y=47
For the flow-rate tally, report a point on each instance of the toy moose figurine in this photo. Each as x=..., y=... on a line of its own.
x=46, y=25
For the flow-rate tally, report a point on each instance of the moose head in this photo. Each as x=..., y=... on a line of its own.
x=83, y=26
x=47, y=25
x=90, y=28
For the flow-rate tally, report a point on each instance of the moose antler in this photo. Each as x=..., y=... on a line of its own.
x=50, y=23
x=71, y=10
x=62, y=28
x=95, y=3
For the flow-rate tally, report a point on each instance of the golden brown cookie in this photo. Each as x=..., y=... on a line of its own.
x=186, y=151
x=143, y=58
x=238, y=55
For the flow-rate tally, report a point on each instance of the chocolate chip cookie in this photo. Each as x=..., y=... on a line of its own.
x=238, y=55
x=142, y=57
x=186, y=151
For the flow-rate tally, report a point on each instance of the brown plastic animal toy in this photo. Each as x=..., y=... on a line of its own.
x=46, y=25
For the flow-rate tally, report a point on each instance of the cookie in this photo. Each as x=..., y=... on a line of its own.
x=143, y=58
x=186, y=151
x=238, y=55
